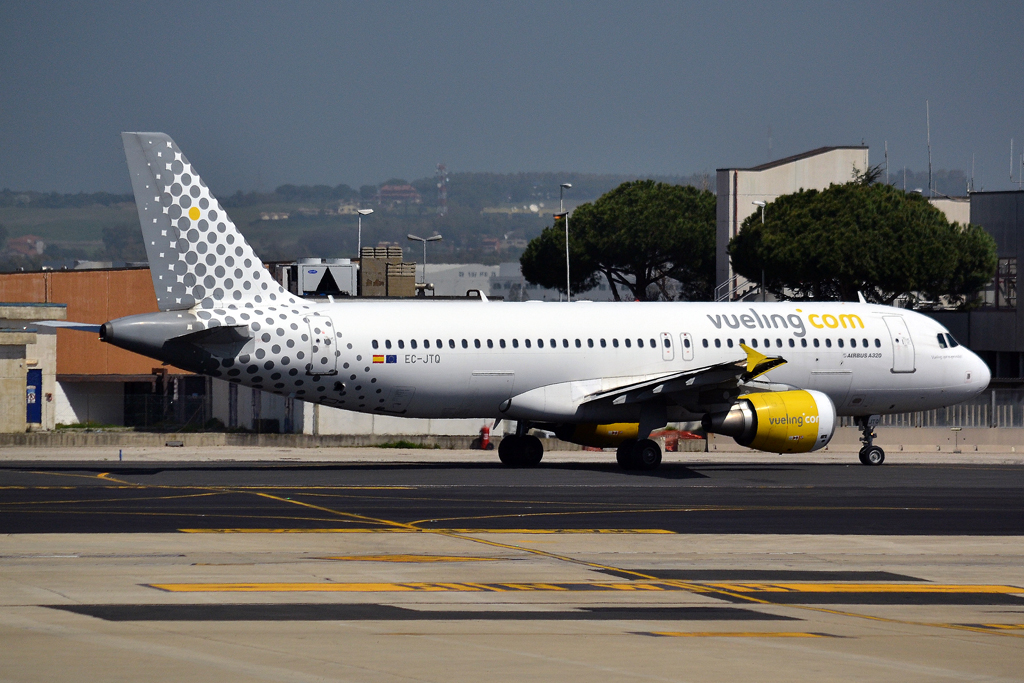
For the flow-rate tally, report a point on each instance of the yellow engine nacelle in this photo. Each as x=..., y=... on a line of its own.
x=777, y=422
x=597, y=436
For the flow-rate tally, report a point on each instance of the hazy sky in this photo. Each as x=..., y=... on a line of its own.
x=261, y=93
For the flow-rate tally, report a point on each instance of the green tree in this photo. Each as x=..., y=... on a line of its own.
x=862, y=237
x=641, y=236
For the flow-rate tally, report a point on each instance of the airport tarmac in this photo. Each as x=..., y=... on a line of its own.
x=434, y=566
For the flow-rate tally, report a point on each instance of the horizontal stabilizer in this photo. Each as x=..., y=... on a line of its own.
x=68, y=325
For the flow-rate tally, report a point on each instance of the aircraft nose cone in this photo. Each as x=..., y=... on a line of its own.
x=980, y=374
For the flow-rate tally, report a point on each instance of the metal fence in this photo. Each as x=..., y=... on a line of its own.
x=994, y=408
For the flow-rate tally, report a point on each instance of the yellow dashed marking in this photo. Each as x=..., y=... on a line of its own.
x=411, y=558
x=413, y=530
x=860, y=588
x=417, y=587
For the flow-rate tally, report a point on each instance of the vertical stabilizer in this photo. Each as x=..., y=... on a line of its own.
x=196, y=255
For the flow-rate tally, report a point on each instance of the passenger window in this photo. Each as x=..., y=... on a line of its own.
x=527, y=342
x=579, y=344
x=465, y=344
x=816, y=343
x=501, y=343
x=387, y=343
x=565, y=343
x=590, y=343
x=554, y=344
x=686, y=343
x=540, y=343
x=792, y=343
x=439, y=344
x=490, y=344
x=942, y=341
x=718, y=343
x=778, y=343
x=864, y=342
x=668, y=343
x=603, y=343
x=401, y=344
x=753, y=343
x=728, y=343
x=412, y=343
x=767, y=343
x=476, y=343
x=828, y=343
x=375, y=345
x=853, y=343
x=953, y=343
x=653, y=344
x=640, y=343
x=840, y=343
x=628, y=342
x=878, y=343
x=744, y=341
x=451, y=343
x=426, y=343
x=515, y=343
x=704, y=342
x=803, y=343
x=615, y=343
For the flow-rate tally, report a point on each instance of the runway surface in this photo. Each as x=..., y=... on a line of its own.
x=756, y=499
x=575, y=570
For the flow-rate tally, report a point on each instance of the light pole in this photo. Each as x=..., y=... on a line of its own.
x=762, y=205
x=561, y=210
x=359, y=243
x=414, y=238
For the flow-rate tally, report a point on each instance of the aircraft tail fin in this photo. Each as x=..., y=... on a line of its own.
x=197, y=257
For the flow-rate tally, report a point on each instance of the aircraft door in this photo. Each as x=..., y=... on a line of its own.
x=667, y=353
x=323, y=345
x=687, y=341
x=902, y=344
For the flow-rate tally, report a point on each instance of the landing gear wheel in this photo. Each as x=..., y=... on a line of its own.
x=646, y=455
x=532, y=452
x=624, y=454
x=872, y=456
x=520, y=451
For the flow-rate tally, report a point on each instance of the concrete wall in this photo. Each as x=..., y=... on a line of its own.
x=738, y=188
x=12, y=381
x=43, y=356
x=96, y=402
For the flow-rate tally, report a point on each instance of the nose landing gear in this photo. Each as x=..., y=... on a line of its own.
x=870, y=454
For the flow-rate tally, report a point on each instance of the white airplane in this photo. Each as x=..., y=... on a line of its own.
x=774, y=376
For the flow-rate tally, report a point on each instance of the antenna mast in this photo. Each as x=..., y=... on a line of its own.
x=886, y=162
x=928, y=128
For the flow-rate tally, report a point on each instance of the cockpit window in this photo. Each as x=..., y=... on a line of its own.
x=953, y=343
x=942, y=340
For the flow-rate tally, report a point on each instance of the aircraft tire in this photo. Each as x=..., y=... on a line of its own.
x=872, y=456
x=509, y=450
x=646, y=455
x=533, y=451
x=624, y=454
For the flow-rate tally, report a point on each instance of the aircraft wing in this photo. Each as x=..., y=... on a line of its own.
x=693, y=382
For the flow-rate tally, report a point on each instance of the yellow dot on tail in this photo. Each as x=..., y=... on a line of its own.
x=193, y=213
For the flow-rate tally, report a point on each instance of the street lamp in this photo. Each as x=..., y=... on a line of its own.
x=414, y=238
x=359, y=243
x=762, y=205
x=561, y=209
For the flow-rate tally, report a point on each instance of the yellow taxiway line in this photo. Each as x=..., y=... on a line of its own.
x=413, y=530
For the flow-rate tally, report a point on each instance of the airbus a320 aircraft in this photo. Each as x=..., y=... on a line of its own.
x=774, y=376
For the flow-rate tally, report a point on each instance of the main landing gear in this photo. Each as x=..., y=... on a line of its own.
x=643, y=455
x=870, y=454
x=520, y=449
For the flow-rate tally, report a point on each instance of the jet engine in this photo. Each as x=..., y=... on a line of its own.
x=777, y=422
x=595, y=435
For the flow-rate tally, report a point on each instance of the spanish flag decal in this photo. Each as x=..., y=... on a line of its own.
x=378, y=359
